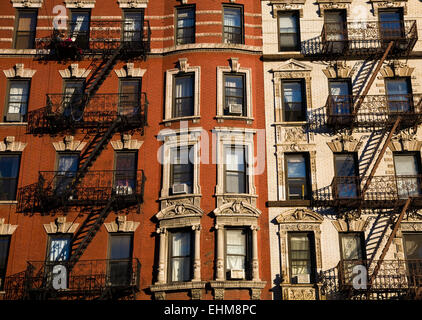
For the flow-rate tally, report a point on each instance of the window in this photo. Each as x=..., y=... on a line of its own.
x=133, y=25
x=185, y=25
x=398, y=94
x=58, y=247
x=352, y=246
x=25, y=29
x=302, y=257
x=235, y=169
x=233, y=24
x=181, y=170
x=4, y=254
x=125, y=174
x=120, y=259
x=347, y=177
x=335, y=27
x=297, y=176
x=9, y=172
x=237, y=254
x=183, y=101
x=180, y=256
x=294, y=101
x=17, y=100
x=289, y=31
x=67, y=165
x=407, y=166
x=413, y=255
x=391, y=24
x=72, y=99
x=129, y=99
x=79, y=28
x=234, y=94
x=340, y=94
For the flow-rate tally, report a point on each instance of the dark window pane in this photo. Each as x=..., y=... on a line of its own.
x=67, y=167
x=398, y=94
x=289, y=31
x=79, y=29
x=4, y=253
x=347, y=171
x=185, y=26
x=183, y=96
x=133, y=25
x=25, y=33
x=125, y=175
x=297, y=184
x=293, y=101
x=120, y=255
x=341, y=101
x=9, y=169
x=129, y=97
x=391, y=24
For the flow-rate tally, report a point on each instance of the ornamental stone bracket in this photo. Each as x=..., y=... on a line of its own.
x=60, y=225
x=132, y=3
x=255, y=288
x=126, y=143
x=358, y=225
x=9, y=144
x=19, y=71
x=73, y=71
x=129, y=70
x=121, y=224
x=333, y=5
x=344, y=143
x=6, y=229
x=27, y=3
x=388, y=4
x=69, y=144
x=287, y=5
x=405, y=142
x=396, y=69
x=338, y=70
x=80, y=3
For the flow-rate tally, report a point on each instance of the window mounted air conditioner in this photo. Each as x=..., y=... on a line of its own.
x=237, y=274
x=303, y=278
x=235, y=108
x=13, y=117
x=180, y=188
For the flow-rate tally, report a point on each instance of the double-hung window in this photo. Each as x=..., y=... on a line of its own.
x=294, y=101
x=297, y=176
x=234, y=94
x=340, y=98
x=17, y=100
x=125, y=174
x=25, y=29
x=129, y=97
x=237, y=254
x=72, y=99
x=183, y=95
x=181, y=170
x=407, y=166
x=289, y=31
x=185, y=25
x=180, y=254
x=399, y=95
x=347, y=180
x=67, y=165
x=58, y=247
x=302, y=257
x=9, y=172
x=235, y=169
x=132, y=26
x=80, y=28
x=391, y=24
x=120, y=259
x=4, y=254
x=233, y=24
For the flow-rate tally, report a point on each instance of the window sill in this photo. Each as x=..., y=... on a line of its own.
x=180, y=196
x=291, y=123
x=18, y=51
x=289, y=203
x=221, y=119
x=236, y=195
x=194, y=119
x=233, y=284
x=8, y=202
x=13, y=123
x=178, y=286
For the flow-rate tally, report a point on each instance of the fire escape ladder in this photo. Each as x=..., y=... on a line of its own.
x=389, y=241
x=372, y=79
x=87, y=231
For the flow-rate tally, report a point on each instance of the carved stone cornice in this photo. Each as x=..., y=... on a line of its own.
x=299, y=215
x=79, y=4
x=359, y=225
x=405, y=142
x=6, y=229
x=287, y=5
x=73, y=71
x=396, y=69
x=9, y=144
x=27, y=3
x=333, y=5
x=344, y=143
x=387, y=4
x=237, y=208
x=338, y=70
x=60, y=226
x=121, y=224
x=19, y=71
x=69, y=144
x=298, y=292
x=129, y=70
x=132, y=3
x=182, y=210
x=126, y=143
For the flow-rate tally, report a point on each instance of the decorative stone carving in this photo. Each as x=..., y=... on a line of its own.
x=359, y=225
x=387, y=4
x=299, y=293
x=27, y=3
x=405, y=142
x=160, y=295
x=196, y=294
x=6, y=229
x=121, y=225
x=396, y=69
x=73, y=71
x=338, y=70
x=126, y=142
x=344, y=143
x=287, y=5
x=333, y=5
x=9, y=144
x=255, y=287
x=79, y=3
x=60, y=226
x=69, y=144
x=256, y=294
x=218, y=294
x=299, y=215
x=195, y=289
x=183, y=64
x=293, y=135
x=179, y=211
x=237, y=208
x=132, y=3
x=129, y=70
x=19, y=71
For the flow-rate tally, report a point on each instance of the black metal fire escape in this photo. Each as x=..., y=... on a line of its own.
x=79, y=191
x=329, y=47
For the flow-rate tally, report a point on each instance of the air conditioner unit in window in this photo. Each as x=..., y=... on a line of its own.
x=235, y=108
x=14, y=117
x=180, y=188
x=303, y=278
x=237, y=274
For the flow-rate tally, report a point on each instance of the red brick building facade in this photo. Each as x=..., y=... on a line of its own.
x=84, y=121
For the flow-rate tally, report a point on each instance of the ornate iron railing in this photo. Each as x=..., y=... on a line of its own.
x=374, y=110
x=85, y=279
x=97, y=187
x=102, y=36
x=64, y=112
x=362, y=38
x=383, y=191
x=395, y=279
